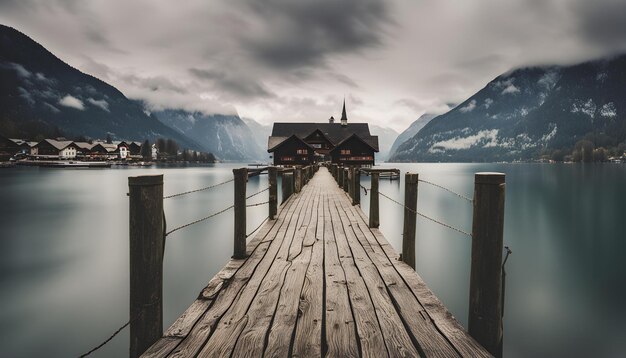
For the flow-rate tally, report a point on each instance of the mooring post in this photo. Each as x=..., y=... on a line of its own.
x=485, y=301
x=241, y=178
x=287, y=185
x=272, y=174
x=350, y=184
x=339, y=178
x=298, y=179
x=410, y=217
x=356, y=177
x=374, y=218
x=146, y=261
x=345, y=179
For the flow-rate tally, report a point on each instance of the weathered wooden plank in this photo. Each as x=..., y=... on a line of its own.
x=265, y=281
x=264, y=252
x=161, y=348
x=285, y=317
x=340, y=332
x=424, y=334
x=396, y=338
x=307, y=341
x=368, y=329
x=445, y=322
x=181, y=327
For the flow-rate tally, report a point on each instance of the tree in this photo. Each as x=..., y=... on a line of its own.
x=558, y=155
x=585, y=148
x=599, y=155
x=146, y=150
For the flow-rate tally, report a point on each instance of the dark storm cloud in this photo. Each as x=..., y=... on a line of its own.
x=234, y=85
x=303, y=33
x=602, y=23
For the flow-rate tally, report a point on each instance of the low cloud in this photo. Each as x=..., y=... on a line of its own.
x=72, y=102
x=232, y=84
x=99, y=103
x=468, y=107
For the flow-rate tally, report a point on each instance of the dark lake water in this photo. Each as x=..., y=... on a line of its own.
x=64, y=252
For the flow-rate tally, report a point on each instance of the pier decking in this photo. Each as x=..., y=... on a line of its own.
x=317, y=282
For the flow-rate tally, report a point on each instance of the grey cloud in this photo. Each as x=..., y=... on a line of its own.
x=232, y=84
x=602, y=22
x=303, y=33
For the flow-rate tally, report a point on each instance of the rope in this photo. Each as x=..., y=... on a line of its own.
x=257, y=204
x=257, y=193
x=258, y=227
x=197, y=190
x=364, y=188
x=506, y=257
x=117, y=331
x=446, y=189
x=427, y=217
x=199, y=220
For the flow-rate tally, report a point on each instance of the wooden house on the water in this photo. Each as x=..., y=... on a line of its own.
x=307, y=143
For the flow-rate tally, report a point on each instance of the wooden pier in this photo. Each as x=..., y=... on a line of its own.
x=316, y=281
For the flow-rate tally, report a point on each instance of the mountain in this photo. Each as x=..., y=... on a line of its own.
x=41, y=93
x=226, y=136
x=527, y=111
x=411, y=131
x=386, y=137
x=261, y=133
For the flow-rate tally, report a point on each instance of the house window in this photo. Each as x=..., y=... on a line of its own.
x=302, y=151
x=316, y=145
x=345, y=152
x=287, y=159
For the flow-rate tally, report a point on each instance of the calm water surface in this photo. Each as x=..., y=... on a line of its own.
x=64, y=252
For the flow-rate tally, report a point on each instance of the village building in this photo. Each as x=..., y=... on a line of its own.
x=306, y=143
x=57, y=149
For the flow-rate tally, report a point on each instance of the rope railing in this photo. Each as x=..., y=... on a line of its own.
x=446, y=189
x=257, y=204
x=197, y=190
x=426, y=216
x=257, y=228
x=257, y=193
x=110, y=338
x=199, y=220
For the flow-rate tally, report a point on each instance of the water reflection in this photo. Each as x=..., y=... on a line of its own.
x=64, y=252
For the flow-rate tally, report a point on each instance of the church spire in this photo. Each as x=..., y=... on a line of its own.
x=344, y=117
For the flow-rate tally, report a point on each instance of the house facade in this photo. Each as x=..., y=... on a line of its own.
x=57, y=149
x=307, y=143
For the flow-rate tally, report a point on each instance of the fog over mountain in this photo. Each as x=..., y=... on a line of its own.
x=525, y=111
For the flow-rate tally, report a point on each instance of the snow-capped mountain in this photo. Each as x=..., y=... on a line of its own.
x=522, y=112
x=408, y=133
x=41, y=94
x=226, y=136
x=386, y=137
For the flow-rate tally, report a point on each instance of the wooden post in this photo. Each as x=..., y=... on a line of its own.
x=374, y=218
x=485, y=301
x=356, y=175
x=340, y=177
x=345, y=179
x=272, y=174
x=410, y=216
x=287, y=186
x=350, y=184
x=146, y=261
x=241, y=177
x=298, y=179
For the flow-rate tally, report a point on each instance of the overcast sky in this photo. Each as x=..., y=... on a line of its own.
x=286, y=60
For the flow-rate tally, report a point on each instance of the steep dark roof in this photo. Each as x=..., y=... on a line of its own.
x=347, y=139
x=335, y=132
x=276, y=142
